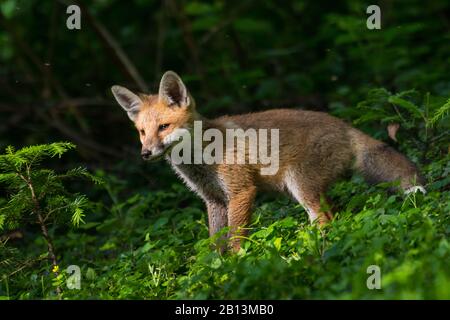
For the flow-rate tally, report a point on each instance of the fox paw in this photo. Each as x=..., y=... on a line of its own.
x=414, y=189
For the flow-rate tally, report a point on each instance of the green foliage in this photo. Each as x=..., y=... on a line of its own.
x=423, y=120
x=32, y=189
x=37, y=195
x=407, y=108
x=441, y=113
x=153, y=246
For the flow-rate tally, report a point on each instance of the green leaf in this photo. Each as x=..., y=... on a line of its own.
x=441, y=113
x=277, y=243
x=411, y=107
x=7, y=7
x=196, y=8
x=77, y=216
x=2, y=221
x=78, y=206
x=91, y=274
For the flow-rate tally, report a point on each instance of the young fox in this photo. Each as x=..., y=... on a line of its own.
x=315, y=149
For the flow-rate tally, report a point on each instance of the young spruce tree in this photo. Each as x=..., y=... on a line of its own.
x=37, y=195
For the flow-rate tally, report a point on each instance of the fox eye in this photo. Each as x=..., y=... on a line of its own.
x=142, y=132
x=163, y=127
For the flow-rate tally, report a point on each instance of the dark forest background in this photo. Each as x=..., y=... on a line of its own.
x=235, y=57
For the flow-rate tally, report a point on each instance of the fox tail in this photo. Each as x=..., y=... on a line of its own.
x=378, y=162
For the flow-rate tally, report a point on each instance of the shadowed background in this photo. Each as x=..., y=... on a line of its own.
x=234, y=56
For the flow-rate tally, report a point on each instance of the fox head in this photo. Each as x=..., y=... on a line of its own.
x=160, y=119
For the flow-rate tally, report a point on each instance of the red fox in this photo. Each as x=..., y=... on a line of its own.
x=314, y=150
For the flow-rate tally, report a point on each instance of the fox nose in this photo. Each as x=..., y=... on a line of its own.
x=146, y=154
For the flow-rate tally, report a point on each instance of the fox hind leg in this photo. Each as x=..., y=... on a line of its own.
x=309, y=196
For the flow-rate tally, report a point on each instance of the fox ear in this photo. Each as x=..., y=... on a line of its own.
x=173, y=91
x=130, y=102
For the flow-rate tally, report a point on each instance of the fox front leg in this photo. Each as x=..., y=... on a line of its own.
x=217, y=219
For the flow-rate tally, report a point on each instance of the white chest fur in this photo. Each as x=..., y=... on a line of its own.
x=203, y=180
